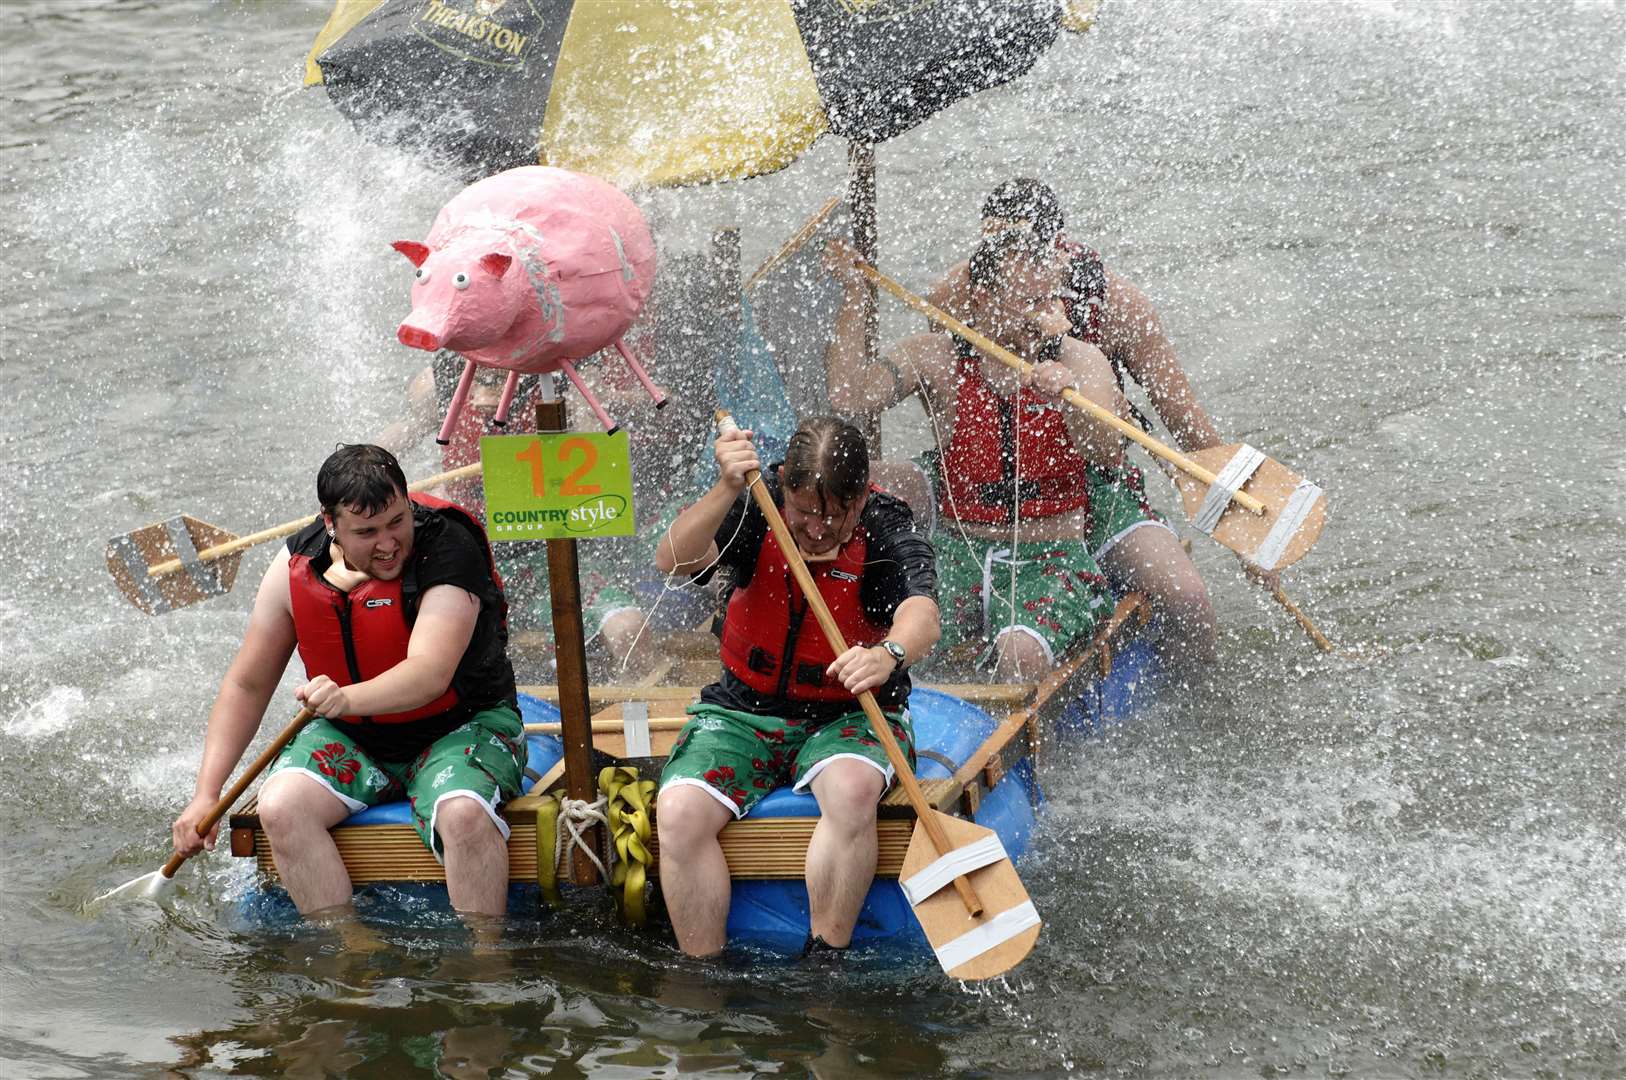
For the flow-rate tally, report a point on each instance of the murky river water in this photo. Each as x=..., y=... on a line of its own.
x=1388, y=240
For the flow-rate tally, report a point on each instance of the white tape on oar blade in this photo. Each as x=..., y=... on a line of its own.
x=130, y=555
x=635, y=727
x=1238, y=471
x=991, y=934
x=204, y=577
x=962, y=860
x=1298, y=507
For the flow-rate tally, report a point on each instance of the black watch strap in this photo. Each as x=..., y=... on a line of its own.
x=897, y=652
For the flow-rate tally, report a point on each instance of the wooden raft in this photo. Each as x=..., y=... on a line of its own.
x=773, y=848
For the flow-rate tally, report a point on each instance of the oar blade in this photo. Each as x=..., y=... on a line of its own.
x=153, y=886
x=1295, y=509
x=968, y=947
x=131, y=556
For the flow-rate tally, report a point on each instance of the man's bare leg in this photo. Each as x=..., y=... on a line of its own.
x=296, y=811
x=694, y=874
x=1019, y=657
x=1151, y=560
x=476, y=857
x=841, y=856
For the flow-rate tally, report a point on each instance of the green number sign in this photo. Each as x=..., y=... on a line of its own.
x=552, y=487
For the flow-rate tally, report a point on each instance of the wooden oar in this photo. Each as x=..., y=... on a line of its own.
x=1285, y=513
x=159, y=882
x=147, y=564
x=991, y=925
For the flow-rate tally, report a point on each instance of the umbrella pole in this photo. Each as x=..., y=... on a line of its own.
x=570, y=654
x=861, y=197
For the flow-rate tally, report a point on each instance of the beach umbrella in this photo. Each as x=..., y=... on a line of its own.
x=660, y=92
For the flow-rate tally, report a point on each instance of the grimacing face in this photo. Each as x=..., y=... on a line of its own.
x=820, y=526
x=376, y=544
x=1022, y=308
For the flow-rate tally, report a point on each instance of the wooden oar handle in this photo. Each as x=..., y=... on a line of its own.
x=288, y=528
x=266, y=757
x=998, y=352
x=610, y=727
x=838, y=644
x=1303, y=620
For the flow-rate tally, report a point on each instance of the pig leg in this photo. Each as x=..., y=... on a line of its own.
x=610, y=426
x=507, y=401
x=460, y=398
x=655, y=392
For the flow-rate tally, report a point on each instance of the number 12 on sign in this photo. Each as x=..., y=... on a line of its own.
x=555, y=486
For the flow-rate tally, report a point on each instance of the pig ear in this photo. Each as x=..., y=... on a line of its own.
x=495, y=263
x=413, y=250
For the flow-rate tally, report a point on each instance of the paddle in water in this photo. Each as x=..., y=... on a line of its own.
x=175, y=563
x=156, y=885
x=986, y=924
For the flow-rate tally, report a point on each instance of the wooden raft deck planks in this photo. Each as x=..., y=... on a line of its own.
x=765, y=849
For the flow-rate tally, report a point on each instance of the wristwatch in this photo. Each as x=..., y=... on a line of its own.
x=896, y=652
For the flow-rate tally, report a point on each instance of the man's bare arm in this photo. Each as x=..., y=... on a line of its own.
x=1133, y=332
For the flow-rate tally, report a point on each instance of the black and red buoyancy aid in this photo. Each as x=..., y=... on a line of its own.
x=771, y=639
x=1086, y=297
x=994, y=467
x=358, y=635
x=1085, y=301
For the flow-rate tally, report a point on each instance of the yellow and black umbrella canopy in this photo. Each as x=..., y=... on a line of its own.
x=663, y=91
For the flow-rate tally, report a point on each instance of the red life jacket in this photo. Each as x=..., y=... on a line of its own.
x=358, y=635
x=980, y=482
x=771, y=639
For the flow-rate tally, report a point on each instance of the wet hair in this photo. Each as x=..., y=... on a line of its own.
x=360, y=478
x=1026, y=199
x=829, y=456
x=988, y=260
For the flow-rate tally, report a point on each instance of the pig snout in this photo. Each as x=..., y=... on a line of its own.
x=418, y=338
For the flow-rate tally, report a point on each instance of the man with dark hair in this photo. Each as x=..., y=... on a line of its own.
x=1013, y=500
x=785, y=709
x=1130, y=540
x=397, y=611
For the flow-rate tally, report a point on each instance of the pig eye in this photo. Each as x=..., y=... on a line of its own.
x=422, y=274
x=460, y=281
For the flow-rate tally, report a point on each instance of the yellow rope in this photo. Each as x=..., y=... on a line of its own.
x=547, y=850
x=629, y=802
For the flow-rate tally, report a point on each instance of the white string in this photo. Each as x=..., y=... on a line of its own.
x=1016, y=514
x=577, y=816
x=667, y=586
x=1016, y=498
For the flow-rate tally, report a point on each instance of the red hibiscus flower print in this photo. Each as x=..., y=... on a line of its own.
x=331, y=761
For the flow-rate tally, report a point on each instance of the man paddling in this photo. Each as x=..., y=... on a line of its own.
x=1013, y=499
x=398, y=613
x=785, y=710
x=1136, y=549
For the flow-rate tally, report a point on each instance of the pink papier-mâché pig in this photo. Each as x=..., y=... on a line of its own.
x=530, y=270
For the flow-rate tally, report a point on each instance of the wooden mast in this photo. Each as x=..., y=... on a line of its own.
x=570, y=657
x=861, y=198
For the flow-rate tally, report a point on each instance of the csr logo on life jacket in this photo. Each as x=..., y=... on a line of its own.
x=380, y=601
x=493, y=32
x=842, y=575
